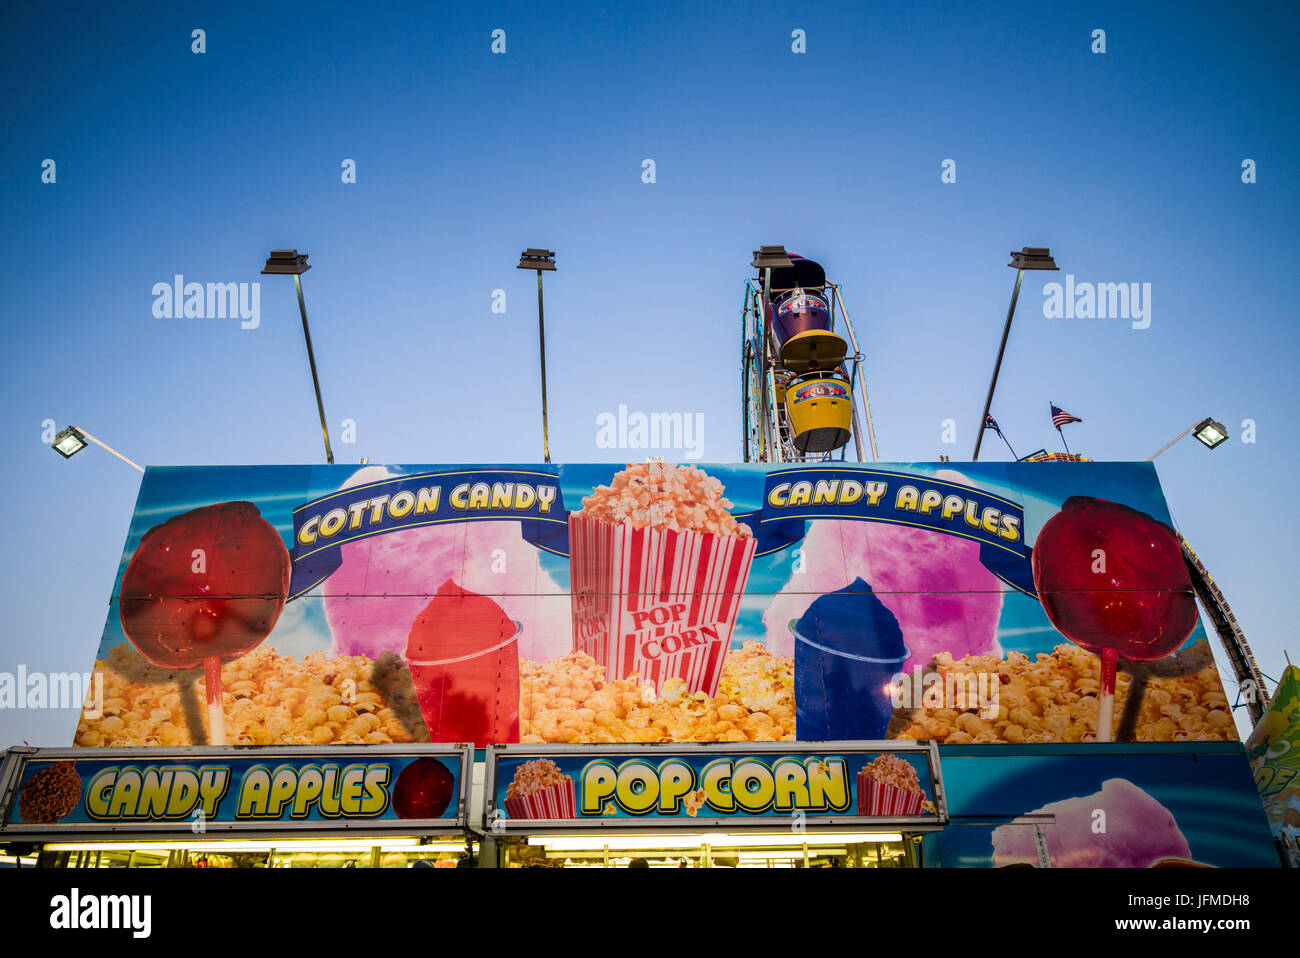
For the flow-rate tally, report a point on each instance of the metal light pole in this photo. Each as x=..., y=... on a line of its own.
x=72, y=440
x=1208, y=432
x=290, y=261
x=540, y=259
x=1030, y=257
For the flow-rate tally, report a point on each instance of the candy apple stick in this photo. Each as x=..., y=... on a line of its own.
x=216, y=718
x=1106, y=700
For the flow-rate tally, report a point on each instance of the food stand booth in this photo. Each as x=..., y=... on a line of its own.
x=746, y=805
x=275, y=807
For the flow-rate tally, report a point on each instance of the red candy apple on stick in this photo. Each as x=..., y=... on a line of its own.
x=205, y=586
x=1113, y=581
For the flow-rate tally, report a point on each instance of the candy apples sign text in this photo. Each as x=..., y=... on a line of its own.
x=945, y=503
x=176, y=793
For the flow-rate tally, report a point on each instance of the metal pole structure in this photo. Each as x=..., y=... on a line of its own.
x=857, y=425
x=1006, y=331
x=315, y=380
x=771, y=424
x=862, y=380
x=103, y=445
x=1172, y=441
x=541, y=338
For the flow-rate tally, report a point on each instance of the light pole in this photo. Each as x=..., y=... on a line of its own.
x=540, y=260
x=290, y=261
x=72, y=440
x=1029, y=257
x=1209, y=433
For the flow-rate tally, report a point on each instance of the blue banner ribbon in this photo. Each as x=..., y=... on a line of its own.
x=793, y=496
x=321, y=526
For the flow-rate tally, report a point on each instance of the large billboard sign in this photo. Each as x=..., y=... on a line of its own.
x=964, y=604
x=700, y=786
x=63, y=792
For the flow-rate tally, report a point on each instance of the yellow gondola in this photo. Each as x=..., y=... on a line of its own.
x=820, y=409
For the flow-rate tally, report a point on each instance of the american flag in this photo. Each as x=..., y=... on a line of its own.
x=1060, y=417
x=991, y=423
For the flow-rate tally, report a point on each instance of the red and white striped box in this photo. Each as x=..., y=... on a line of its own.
x=877, y=798
x=553, y=801
x=656, y=603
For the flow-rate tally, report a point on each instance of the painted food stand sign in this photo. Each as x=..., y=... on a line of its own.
x=379, y=605
x=61, y=791
x=769, y=785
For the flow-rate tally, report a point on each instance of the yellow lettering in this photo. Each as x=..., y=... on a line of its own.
x=777, y=496
x=598, y=783
x=332, y=522
x=376, y=799
x=638, y=786
x=310, y=783
x=307, y=534
x=825, y=491
x=253, y=793
x=426, y=500
x=906, y=498
x=479, y=495
x=715, y=779
x=791, y=789
x=676, y=781
x=126, y=794
x=989, y=519
x=524, y=496
x=753, y=785
x=354, y=783
x=97, y=792
x=828, y=784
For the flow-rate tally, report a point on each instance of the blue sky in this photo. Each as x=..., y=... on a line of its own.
x=1127, y=164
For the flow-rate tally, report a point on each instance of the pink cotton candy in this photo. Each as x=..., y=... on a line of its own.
x=1139, y=832
x=385, y=582
x=943, y=596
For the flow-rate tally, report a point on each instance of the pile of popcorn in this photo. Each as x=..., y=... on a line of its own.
x=891, y=770
x=533, y=776
x=660, y=495
x=569, y=700
x=1054, y=699
x=268, y=699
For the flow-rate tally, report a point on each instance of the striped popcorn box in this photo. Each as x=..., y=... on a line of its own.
x=657, y=603
x=554, y=801
x=877, y=798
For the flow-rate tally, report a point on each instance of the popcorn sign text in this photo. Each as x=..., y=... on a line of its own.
x=729, y=785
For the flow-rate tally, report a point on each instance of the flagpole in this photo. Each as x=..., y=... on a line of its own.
x=1063, y=442
x=1004, y=439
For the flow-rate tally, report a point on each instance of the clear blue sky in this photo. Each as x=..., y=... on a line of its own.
x=1127, y=164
